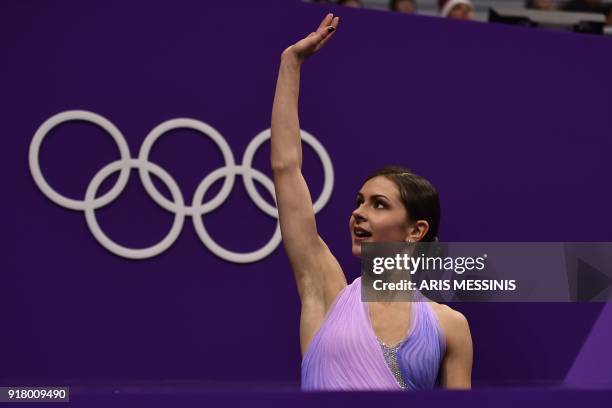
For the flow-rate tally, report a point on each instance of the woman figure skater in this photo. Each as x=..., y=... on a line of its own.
x=347, y=344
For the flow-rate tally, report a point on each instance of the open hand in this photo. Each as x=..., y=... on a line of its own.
x=315, y=40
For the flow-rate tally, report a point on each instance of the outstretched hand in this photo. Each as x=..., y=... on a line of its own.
x=315, y=40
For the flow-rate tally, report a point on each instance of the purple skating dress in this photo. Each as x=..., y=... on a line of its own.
x=345, y=353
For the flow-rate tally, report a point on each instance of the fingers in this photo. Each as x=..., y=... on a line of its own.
x=325, y=28
x=327, y=20
x=335, y=22
x=328, y=32
x=315, y=40
x=325, y=31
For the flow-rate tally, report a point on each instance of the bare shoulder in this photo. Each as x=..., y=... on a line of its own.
x=453, y=323
x=456, y=367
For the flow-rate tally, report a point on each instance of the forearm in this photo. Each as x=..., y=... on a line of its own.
x=286, y=149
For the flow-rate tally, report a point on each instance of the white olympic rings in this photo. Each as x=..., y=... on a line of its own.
x=177, y=206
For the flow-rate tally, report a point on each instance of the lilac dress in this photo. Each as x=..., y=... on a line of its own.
x=345, y=353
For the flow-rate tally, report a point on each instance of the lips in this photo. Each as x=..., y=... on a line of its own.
x=361, y=233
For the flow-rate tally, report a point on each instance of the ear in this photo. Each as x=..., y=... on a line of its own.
x=417, y=230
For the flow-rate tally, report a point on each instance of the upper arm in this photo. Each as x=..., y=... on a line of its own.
x=318, y=275
x=456, y=370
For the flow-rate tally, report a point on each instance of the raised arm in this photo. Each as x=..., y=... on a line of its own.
x=318, y=275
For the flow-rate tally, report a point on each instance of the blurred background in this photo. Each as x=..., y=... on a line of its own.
x=559, y=13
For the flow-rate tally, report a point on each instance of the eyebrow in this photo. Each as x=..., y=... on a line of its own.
x=360, y=194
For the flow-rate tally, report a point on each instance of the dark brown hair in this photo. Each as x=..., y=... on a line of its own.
x=418, y=195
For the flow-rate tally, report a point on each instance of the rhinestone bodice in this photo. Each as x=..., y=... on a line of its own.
x=390, y=353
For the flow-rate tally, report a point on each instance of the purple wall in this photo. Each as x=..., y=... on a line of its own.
x=511, y=125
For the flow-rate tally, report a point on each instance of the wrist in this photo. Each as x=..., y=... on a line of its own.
x=290, y=58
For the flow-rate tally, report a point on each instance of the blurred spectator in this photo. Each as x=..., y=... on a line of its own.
x=350, y=3
x=540, y=5
x=403, y=6
x=589, y=6
x=457, y=9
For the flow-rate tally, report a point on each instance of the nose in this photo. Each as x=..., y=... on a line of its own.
x=359, y=215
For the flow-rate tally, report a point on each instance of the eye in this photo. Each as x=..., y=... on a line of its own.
x=379, y=204
x=358, y=202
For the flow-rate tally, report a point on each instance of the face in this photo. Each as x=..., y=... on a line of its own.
x=352, y=3
x=379, y=215
x=543, y=5
x=461, y=12
x=405, y=6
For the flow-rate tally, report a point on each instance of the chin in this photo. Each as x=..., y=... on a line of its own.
x=356, y=250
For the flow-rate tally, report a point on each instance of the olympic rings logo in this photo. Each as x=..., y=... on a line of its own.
x=177, y=206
